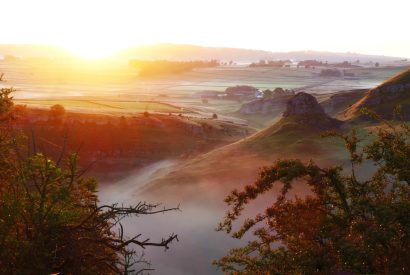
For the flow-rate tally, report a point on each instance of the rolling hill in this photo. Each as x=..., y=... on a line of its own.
x=383, y=99
x=117, y=145
x=296, y=134
x=190, y=52
x=341, y=101
x=193, y=52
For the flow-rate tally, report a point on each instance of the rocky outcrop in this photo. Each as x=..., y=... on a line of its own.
x=304, y=111
x=303, y=104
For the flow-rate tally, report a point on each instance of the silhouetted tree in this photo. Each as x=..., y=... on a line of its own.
x=345, y=225
x=57, y=112
x=50, y=217
x=6, y=103
x=268, y=94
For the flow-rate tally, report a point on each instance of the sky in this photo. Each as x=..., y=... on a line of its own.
x=98, y=28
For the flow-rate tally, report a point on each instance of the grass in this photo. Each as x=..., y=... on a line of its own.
x=106, y=105
x=118, y=80
x=124, y=92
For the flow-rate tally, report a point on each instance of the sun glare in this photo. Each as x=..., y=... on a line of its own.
x=131, y=22
x=93, y=50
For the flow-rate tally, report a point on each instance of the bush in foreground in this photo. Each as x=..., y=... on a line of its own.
x=346, y=225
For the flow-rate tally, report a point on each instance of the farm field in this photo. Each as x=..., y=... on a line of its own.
x=104, y=106
x=117, y=88
x=204, y=137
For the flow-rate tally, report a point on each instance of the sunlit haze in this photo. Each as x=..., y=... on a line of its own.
x=99, y=28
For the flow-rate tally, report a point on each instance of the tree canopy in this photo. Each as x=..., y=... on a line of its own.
x=345, y=225
x=50, y=218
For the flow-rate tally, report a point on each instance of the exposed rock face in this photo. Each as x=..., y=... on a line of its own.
x=303, y=104
x=303, y=111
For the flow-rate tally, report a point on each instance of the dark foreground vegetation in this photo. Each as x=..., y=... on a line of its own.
x=347, y=225
x=50, y=218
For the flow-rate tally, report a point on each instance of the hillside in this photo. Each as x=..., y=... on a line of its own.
x=342, y=100
x=383, y=99
x=116, y=145
x=271, y=105
x=180, y=52
x=296, y=135
x=192, y=52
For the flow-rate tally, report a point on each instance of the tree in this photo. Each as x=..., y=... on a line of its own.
x=268, y=94
x=344, y=225
x=57, y=112
x=6, y=103
x=214, y=116
x=50, y=217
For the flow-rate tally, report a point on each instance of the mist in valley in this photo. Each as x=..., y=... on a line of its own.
x=199, y=244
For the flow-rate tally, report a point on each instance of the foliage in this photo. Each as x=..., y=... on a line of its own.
x=343, y=225
x=231, y=91
x=57, y=112
x=270, y=63
x=268, y=94
x=330, y=73
x=6, y=103
x=50, y=217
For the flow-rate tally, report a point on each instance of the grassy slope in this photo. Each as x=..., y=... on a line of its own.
x=385, y=109
x=237, y=164
x=342, y=100
x=121, y=144
x=402, y=78
x=125, y=106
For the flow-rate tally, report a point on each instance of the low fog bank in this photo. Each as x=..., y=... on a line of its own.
x=122, y=191
x=199, y=244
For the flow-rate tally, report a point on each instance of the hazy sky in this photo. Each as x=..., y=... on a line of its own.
x=103, y=26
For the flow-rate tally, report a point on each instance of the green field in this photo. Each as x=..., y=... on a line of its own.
x=118, y=88
x=33, y=80
x=105, y=105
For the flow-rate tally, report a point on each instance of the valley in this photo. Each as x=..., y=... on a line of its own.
x=191, y=138
x=178, y=137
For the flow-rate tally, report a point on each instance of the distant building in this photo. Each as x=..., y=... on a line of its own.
x=259, y=93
